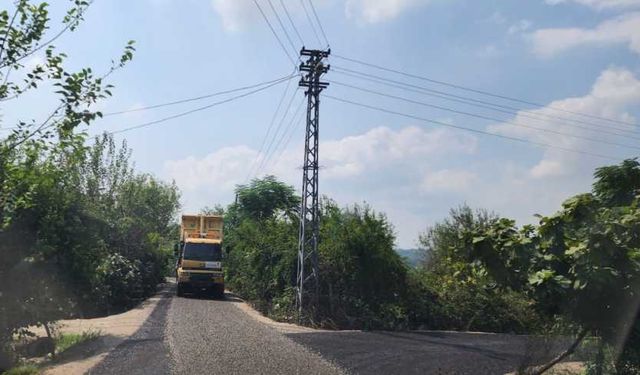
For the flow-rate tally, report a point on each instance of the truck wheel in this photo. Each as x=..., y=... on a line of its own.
x=219, y=291
x=180, y=290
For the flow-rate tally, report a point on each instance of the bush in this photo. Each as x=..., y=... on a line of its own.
x=363, y=280
x=23, y=370
x=449, y=291
x=64, y=341
x=118, y=283
x=464, y=306
x=262, y=265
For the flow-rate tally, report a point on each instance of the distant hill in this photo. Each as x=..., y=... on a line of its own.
x=412, y=256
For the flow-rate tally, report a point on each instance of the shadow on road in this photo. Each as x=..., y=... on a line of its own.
x=145, y=352
x=426, y=352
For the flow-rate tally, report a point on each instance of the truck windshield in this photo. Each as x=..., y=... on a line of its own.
x=203, y=251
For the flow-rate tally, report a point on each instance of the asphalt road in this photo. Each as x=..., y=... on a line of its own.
x=187, y=335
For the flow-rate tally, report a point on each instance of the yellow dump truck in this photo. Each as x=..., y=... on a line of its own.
x=199, y=253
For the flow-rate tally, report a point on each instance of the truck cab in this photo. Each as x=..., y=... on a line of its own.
x=200, y=265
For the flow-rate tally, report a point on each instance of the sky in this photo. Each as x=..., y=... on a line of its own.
x=443, y=148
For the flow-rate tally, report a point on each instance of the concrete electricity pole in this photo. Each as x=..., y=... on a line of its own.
x=307, y=276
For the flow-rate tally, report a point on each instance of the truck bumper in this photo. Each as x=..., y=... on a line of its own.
x=197, y=286
x=201, y=285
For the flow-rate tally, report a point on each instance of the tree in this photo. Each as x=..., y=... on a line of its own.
x=263, y=198
x=457, y=293
x=217, y=209
x=442, y=245
x=261, y=240
x=362, y=278
x=618, y=185
x=583, y=263
x=22, y=34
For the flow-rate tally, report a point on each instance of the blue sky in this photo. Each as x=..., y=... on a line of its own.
x=577, y=55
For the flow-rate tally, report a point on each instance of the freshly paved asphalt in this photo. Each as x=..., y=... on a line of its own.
x=215, y=337
x=425, y=352
x=187, y=335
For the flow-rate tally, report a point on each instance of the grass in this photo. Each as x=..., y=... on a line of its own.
x=23, y=370
x=64, y=341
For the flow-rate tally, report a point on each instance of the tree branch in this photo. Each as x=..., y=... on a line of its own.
x=37, y=48
x=6, y=35
x=540, y=370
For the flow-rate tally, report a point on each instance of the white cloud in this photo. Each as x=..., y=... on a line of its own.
x=405, y=172
x=519, y=27
x=236, y=15
x=219, y=171
x=380, y=147
x=382, y=166
x=448, y=180
x=599, y=4
x=374, y=11
x=624, y=29
x=547, y=168
x=520, y=189
x=349, y=157
x=614, y=93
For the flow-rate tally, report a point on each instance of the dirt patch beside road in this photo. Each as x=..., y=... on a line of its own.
x=113, y=329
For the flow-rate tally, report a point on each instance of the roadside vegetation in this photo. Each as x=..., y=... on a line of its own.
x=65, y=341
x=576, y=273
x=23, y=370
x=81, y=234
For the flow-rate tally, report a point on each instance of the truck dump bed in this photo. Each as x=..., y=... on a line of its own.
x=201, y=226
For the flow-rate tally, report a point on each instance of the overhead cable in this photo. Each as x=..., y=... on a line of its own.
x=444, y=124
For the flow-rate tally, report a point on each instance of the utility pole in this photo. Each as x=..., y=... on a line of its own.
x=307, y=277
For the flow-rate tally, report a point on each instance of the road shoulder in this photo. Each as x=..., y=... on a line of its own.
x=114, y=330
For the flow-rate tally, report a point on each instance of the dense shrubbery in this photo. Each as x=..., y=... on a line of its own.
x=452, y=292
x=100, y=230
x=59, y=201
x=364, y=283
x=581, y=264
x=448, y=303
x=362, y=277
x=579, y=268
x=363, y=280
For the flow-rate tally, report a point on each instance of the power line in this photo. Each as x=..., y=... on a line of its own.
x=264, y=16
x=181, y=101
x=522, y=101
x=292, y=23
x=487, y=117
x=146, y=124
x=292, y=131
x=306, y=12
x=539, y=144
x=264, y=139
x=319, y=23
x=286, y=130
x=275, y=134
x=295, y=50
x=482, y=104
x=466, y=100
